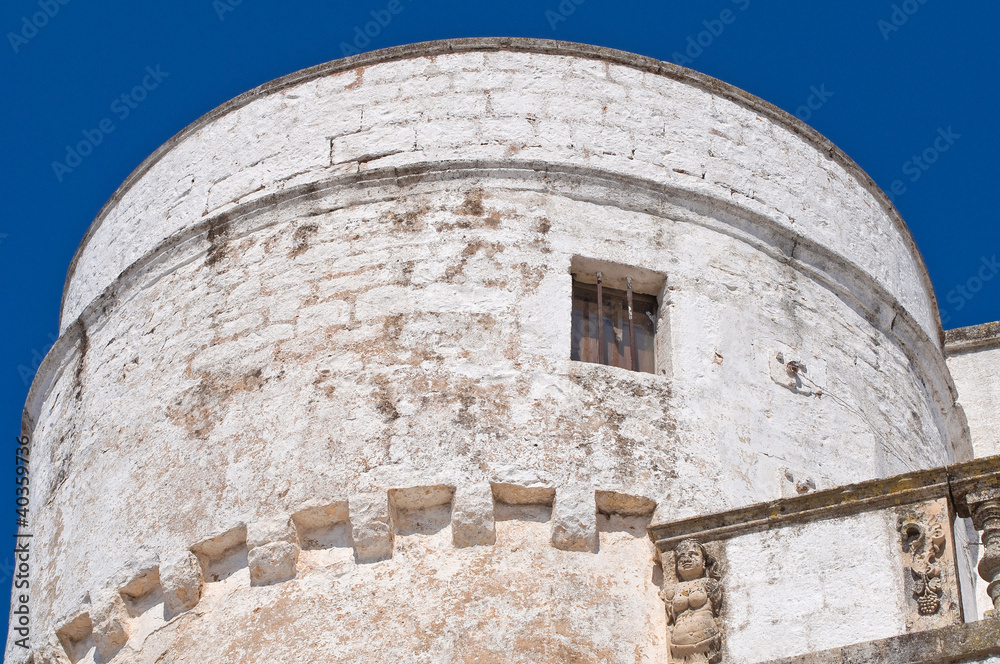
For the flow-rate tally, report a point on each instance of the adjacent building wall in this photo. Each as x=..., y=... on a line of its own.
x=974, y=360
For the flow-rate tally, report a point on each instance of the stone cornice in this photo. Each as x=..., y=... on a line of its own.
x=954, y=644
x=956, y=482
x=972, y=338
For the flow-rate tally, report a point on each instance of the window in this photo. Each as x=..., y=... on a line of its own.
x=612, y=326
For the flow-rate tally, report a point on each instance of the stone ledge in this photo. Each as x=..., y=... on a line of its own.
x=949, y=645
x=974, y=337
x=831, y=503
x=956, y=482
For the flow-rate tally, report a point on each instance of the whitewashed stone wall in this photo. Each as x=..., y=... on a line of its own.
x=974, y=361
x=361, y=282
x=511, y=107
x=977, y=377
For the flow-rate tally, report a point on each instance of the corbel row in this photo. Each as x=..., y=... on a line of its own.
x=272, y=546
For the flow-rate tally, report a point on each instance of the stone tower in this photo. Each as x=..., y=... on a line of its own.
x=502, y=351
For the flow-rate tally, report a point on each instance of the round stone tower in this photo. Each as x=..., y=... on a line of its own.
x=395, y=359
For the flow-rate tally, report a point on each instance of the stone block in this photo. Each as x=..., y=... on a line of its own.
x=623, y=504
x=272, y=563
x=574, y=520
x=316, y=514
x=219, y=546
x=277, y=529
x=522, y=486
x=139, y=577
x=110, y=620
x=371, y=527
x=421, y=497
x=183, y=580
x=472, y=522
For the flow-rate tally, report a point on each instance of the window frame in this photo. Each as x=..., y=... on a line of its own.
x=591, y=287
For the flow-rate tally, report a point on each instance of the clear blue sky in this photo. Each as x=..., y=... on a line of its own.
x=884, y=92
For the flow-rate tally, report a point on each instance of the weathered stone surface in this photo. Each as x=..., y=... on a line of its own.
x=615, y=111
x=50, y=651
x=974, y=361
x=371, y=527
x=183, y=581
x=272, y=563
x=315, y=513
x=139, y=577
x=75, y=632
x=574, y=520
x=218, y=546
x=110, y=622
x=615, y=502
x=275, y=529
x=813, y=582
x=523, y=486
x=472, y=520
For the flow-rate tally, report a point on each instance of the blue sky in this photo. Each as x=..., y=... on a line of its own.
x=908, y=89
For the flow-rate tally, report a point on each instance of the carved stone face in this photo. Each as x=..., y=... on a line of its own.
x=690, y=563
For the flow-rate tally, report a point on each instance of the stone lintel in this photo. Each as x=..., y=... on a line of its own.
x=956, y=643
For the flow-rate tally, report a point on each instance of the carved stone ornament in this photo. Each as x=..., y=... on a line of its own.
x=923, y=539
x=693, y=604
